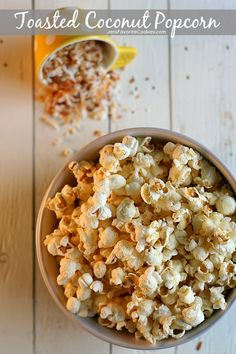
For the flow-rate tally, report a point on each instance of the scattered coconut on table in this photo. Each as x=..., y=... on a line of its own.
x=78, y=86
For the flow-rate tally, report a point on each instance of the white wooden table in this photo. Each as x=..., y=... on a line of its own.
x=195, y=80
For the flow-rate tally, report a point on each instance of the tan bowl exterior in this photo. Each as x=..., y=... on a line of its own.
x=47, y=222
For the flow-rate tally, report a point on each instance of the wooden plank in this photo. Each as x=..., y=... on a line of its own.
x=54, y=332
x=150, y=70
x=203, y=107
x=152, y=109
x=16, y=192
x=204, y=68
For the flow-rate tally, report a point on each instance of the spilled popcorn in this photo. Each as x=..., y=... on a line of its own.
x=79, y=84
x=146, y=239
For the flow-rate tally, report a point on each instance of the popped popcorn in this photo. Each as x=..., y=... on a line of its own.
x=148, y=282
x=99, y=269
x=78, y=84
x=97, y=286
x=226, y=205
x=186, y=294
x=117, y=276
x=108, y=237
x=73, y=305
x=146, y=239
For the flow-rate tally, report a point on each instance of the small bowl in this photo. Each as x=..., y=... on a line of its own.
x=45, y=47
x=47, y=222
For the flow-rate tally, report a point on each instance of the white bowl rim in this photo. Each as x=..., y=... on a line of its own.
x=158, y=134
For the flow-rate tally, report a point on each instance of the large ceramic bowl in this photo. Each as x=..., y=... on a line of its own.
x=47, y=222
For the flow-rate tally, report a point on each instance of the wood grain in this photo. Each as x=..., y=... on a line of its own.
x=151, y=73
x=203, y=106
x=54, y=332
x=16, y=325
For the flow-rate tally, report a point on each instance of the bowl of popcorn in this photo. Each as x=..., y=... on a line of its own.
x=136, y=238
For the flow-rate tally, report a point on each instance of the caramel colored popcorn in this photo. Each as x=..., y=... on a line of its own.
x=146, y=238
